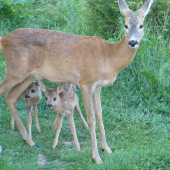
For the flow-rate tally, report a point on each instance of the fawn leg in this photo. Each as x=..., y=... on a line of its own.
x=73, y=130
x=58, y=123
x=36, y=118
x=77, y=108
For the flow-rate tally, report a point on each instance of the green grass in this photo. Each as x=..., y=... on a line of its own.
x=135, y=110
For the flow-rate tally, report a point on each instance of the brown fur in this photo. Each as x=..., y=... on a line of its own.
x=89, y=62
x=63, y=100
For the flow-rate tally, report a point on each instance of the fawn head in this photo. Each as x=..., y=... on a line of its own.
x=134, y=30
x=32, y=90
x=52, y=95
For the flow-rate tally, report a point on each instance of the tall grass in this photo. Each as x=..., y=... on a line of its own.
x=135, y=109
x=63, y=15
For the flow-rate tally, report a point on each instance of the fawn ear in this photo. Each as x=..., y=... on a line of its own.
x=37, y=83
x=59, y=89
x=146, y=7
x=43, y=87
x=123, y=7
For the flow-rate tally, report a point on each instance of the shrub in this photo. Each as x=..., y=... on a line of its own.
x=13, y=13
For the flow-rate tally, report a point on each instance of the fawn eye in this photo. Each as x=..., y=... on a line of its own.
x=126, y=26
x=32, y=91
x=54, y=99
x=46, y=98
x=141, y=26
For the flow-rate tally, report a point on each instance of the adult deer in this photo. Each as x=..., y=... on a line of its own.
x=89, y=62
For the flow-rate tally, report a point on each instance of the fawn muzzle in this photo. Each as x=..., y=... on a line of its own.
x=27, y=97
x=50, y=106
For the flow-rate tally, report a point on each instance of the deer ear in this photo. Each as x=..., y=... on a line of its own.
x=59, y=89
x=123, y=7
x=43, y=87
x=146, y=7
x=37, y=83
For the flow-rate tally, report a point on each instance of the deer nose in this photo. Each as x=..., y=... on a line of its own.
x=27, y=97
x=132, y=43
x=50, y=106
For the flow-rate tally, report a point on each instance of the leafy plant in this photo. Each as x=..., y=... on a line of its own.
x=9, y=10
x=158, y=77
x=14, y=12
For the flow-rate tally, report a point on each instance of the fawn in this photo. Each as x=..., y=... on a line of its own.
x=32, y=96
x=64, y=100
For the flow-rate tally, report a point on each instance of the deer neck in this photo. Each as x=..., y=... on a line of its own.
x=122, y=54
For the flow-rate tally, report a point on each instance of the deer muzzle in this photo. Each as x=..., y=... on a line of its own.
x=50, y=106
x=133, y=44
x=27, y=97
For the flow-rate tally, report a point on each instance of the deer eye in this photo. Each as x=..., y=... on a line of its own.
x=141, y=26
x=126, y=26
x=32, y=91
x=54, y=99
x=46, y=98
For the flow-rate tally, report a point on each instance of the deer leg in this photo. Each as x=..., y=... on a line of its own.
x=73, y=130
x=55, y=123
x=29, y=119
x=77, y=108
x=98, y=113
x=7, y=84
x=11, y=99
x=58, y=124
x=12, y=121
x=36, y=118
x=88, y=103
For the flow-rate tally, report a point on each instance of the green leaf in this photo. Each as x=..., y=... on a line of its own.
x=30, y=13
x=150, y=76
x=153, y=38
x=167, y=49
x=166, y=29
x=147, y=40
x=17, y=3
x=162, y=71
x=160, y=36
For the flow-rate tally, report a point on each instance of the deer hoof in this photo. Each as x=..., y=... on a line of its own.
x=36, y=146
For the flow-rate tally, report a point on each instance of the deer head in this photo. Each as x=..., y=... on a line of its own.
x=32, y=90
x=134, y=30
x=52, y=95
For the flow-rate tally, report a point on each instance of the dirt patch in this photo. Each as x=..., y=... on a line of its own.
x=68, y=143
x=42, y=160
